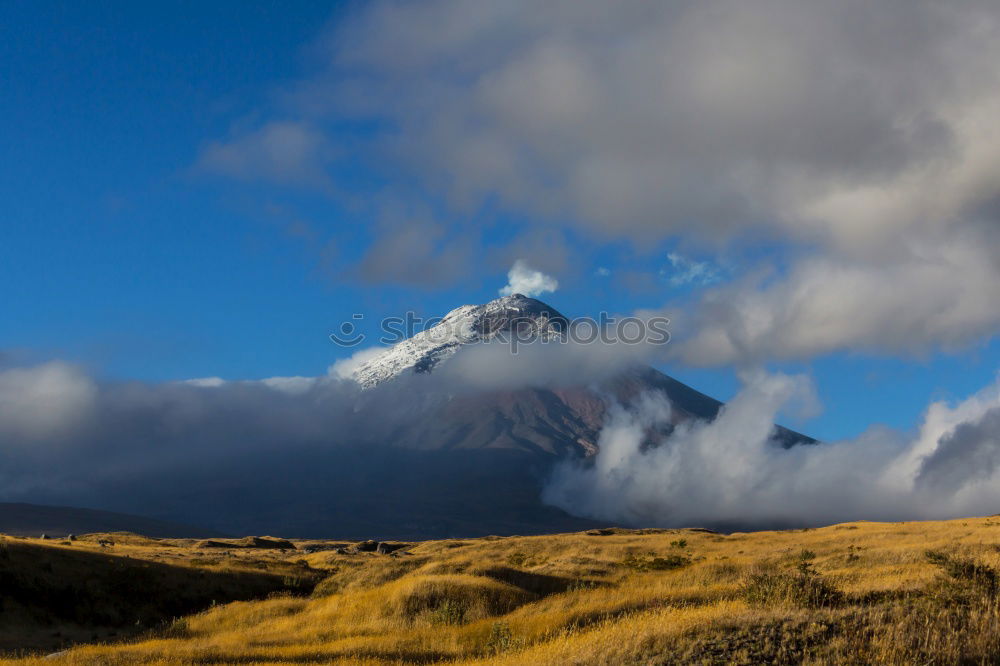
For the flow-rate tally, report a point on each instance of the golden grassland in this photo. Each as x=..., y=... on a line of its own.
x=917, y=592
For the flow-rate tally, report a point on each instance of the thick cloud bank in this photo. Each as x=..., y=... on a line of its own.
x=221, y=451
x=64, y=434
x=313, y=456
x=731, y=472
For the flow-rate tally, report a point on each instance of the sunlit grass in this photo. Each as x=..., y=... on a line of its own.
x=863, y=592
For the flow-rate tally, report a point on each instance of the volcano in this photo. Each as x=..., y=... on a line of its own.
x=554, y=420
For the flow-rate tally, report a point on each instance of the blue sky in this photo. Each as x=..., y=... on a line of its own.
x=125, y=246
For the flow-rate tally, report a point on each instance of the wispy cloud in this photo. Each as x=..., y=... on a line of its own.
x=684, y=271
x=282, y=152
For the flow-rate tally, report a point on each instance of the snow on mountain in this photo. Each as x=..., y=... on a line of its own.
x=468, y=324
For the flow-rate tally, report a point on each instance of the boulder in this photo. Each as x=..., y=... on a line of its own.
x=387, y=548
x=265, y=542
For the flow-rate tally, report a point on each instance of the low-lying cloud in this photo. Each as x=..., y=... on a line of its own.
x=732, y=472
x=167, y=449
x=300, y=455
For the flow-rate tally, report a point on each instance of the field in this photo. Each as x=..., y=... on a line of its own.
x=926, y=592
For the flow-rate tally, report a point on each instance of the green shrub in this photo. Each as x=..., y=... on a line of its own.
x=448, y=611
x=517, y=559
x=501, y=639
x=656, y=563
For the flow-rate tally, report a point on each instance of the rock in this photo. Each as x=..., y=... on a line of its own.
x=265, y=542
x=369, y=546
x=387, y=548
x=71, y=537
x=248, y=542
x=320, y=547
x=44, y=536
x=211, y=543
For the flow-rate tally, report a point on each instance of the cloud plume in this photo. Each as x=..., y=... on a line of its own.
x=522, y=279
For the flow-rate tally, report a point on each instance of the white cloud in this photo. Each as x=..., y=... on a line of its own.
x=205, y=382
x=522, y=279
x=291, y=385
x=345, y=367
x=824, y=120
x=943, y=294
x=44, y=401
x=731, y=471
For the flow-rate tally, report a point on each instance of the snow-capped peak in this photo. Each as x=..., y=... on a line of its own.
x=464, y=325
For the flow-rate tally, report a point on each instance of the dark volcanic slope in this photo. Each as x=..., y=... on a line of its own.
x=552, y=422
x=37, y=519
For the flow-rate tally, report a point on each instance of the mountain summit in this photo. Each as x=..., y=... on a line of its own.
x=468, y=324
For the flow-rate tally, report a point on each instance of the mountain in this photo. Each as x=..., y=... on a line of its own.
x=37, y=519
x=554, y=422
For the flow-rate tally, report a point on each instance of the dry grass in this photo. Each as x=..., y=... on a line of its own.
x=858, y=593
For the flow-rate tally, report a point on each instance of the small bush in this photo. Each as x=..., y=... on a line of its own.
x=454, y=599
x=517, y=559
x=805, y=555
x=656, y=563
x=501, y=639
x=804, y=588
x=966, y=571
x=448, y=612
x=581, y=585
x=680, y=543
